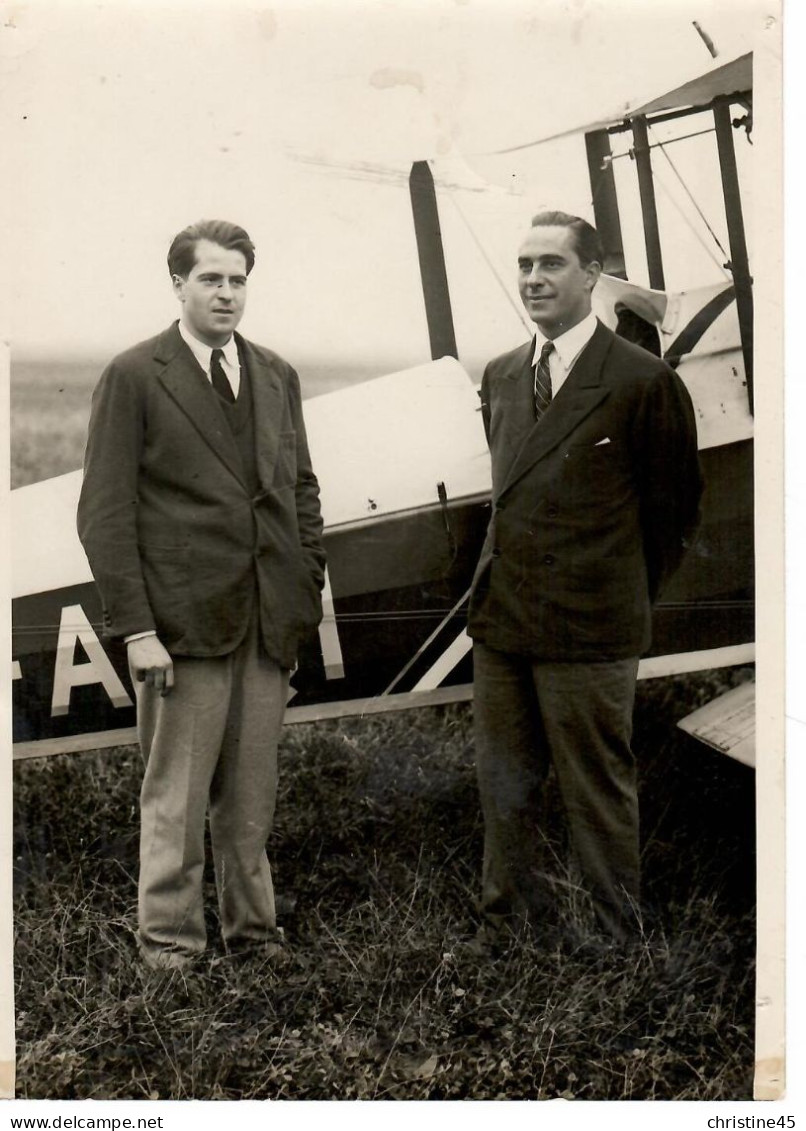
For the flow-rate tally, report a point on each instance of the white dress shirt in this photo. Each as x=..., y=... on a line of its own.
x=203, y=354
x=567, y=348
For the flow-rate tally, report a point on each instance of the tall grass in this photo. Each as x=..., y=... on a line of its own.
x=376, y=856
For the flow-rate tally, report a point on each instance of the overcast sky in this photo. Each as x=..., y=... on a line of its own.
x=126, y=121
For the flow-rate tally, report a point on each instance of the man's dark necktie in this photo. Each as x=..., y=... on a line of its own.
x=543, y=381
x=219, y=378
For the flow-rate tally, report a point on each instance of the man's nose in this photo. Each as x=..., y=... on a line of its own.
x=225, y=290
x=535, y=276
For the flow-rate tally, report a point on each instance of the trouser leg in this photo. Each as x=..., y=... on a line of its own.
x=243, y=793
x=587, y=715
x=180, y=737
x=511, y=765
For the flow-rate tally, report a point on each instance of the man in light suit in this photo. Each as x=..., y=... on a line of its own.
x=199, y=514
x=596, y=489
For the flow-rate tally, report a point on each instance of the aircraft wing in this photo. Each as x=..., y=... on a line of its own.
x=735, y=77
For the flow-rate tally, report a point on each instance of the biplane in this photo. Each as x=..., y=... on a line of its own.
x=406, y=493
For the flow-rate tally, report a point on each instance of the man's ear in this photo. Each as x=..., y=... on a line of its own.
x=593, y=271
x=178, y=284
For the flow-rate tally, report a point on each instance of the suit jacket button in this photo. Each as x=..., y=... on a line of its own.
x=549, y=559
x=500, y=506
x=496, y=553
x=552, y=511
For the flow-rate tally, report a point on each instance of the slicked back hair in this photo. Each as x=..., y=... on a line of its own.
x=587, y=243
x=182, y=252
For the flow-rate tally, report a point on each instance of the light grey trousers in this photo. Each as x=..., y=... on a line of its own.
x=529, y=715
x=212, y=739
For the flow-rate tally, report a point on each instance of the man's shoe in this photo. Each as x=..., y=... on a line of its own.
x=271, y=949
x=162, y=959
x=598, y=947
x=488, y=940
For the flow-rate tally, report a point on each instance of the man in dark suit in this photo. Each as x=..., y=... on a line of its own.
x=596, y=489
x=199, y=514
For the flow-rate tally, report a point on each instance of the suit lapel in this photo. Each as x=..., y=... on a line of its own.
x=517, y=415
x=267, y=399
x=184, y=380
x=581, y=392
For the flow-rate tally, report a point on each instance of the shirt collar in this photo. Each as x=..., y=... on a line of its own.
x=570, y=344
x=203, y=353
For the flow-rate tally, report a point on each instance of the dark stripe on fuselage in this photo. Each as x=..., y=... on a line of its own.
x=687, y=339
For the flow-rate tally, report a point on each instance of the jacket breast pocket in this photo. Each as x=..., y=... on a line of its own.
x=285, y=470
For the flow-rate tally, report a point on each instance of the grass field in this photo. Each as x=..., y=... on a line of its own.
x=50, y=407
x=376, y=852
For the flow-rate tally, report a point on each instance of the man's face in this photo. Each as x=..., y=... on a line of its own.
x=213, y=296
x=554, y=286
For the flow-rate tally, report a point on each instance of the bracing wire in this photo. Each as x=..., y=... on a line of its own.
x=690, y=195
x=518, y=311
x=697, y=235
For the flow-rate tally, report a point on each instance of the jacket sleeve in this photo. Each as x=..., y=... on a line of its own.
x=309, y=513
x=670, y=479
x=107, y=507
x=484, y=397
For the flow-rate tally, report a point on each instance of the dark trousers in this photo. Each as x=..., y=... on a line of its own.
x=577, y=717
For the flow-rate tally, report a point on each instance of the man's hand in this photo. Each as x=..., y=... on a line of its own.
x=151, y=663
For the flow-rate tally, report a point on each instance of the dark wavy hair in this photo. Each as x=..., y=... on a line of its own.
x=182, y=252
x=587, y=243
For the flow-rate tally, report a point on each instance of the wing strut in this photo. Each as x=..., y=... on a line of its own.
x=432, y=262
x=643, y=164
x=738, y=245
x=605, y=202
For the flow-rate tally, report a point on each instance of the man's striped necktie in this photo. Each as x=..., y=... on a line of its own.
x=543, y=381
